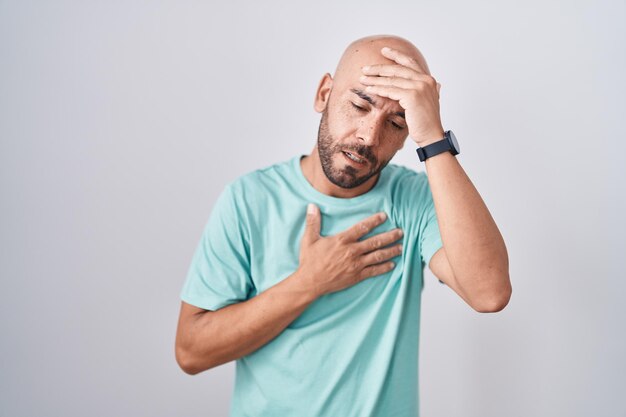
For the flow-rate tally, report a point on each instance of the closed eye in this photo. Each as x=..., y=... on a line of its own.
x=397, y=126
x=361, y=109
x=357, y=107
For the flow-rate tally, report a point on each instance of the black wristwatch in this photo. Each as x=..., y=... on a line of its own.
x=448, y=143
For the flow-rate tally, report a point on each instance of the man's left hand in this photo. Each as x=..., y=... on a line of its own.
x=415, y=90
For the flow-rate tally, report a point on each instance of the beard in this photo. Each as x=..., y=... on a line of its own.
x=341, y=174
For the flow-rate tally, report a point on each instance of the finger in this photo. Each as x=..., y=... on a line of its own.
x=377, y=269
x=390, y=81
x=394, y=93
x=381, y=255
x=312, y=227
x=363, y=227
x=438, y=87
x=403, y=59
x=389, y=70
x=378, y=241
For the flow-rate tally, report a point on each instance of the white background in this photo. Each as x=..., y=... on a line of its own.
x=120, y=123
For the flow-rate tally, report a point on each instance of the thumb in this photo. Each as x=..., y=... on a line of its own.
x=312, y=227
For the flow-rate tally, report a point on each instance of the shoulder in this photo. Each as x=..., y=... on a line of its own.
x=409, y=192
x=406, y=181
x=266, y=177
x=255, y=189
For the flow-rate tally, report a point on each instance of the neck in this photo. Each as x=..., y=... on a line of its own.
x=313, y=172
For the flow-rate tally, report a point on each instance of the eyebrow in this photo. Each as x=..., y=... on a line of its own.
x=364, y=96
x=371, y=101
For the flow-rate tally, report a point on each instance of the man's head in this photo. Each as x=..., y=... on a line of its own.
x=364, y=125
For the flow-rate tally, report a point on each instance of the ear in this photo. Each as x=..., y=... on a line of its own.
x=323, y=93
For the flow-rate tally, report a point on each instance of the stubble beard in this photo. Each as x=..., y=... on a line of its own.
x=346, y=176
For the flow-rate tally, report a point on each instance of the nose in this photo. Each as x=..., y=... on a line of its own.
x=370, y=129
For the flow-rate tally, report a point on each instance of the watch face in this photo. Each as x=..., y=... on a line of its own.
x=455, y=144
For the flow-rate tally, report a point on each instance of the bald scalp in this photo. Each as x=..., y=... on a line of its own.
x=366, y=51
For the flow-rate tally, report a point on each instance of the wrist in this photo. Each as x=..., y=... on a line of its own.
x=433, y=137
x=448, y=143
x=302, y=285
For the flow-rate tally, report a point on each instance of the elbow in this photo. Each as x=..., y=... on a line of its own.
x=494, y=302
x=187, y=362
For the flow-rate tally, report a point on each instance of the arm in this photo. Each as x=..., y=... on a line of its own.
x=206, y=339
x=474, y=260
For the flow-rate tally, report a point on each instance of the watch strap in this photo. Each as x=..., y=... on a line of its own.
x=433, y=149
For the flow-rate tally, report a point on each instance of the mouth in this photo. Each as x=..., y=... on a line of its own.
x=354, y=158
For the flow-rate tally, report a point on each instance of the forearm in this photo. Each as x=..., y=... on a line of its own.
x=474, y=246
x=238, y=329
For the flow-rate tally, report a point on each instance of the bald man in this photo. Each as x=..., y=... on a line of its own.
x=309, y=272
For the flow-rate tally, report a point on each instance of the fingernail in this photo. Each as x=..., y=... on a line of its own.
x=310, y=209
x=386, y=49
x=383, y=216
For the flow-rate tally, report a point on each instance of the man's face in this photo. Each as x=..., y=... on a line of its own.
x=370, y=127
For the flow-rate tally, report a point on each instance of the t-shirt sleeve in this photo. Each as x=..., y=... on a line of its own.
x=430, y=238
x=219, y=273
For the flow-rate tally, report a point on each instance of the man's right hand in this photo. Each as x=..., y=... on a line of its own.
x=330, y=264
x=206, y=339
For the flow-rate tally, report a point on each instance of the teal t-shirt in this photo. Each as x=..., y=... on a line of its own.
x=351, y=353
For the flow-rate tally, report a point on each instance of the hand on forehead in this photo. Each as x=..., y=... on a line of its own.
x=367, y=51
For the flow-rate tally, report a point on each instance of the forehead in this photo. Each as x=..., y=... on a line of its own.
x=367, y=52
x=356, y=56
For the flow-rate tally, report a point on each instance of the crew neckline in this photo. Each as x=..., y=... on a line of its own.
x=337, y=201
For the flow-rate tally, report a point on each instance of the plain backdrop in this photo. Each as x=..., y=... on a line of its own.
x=121, y=122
